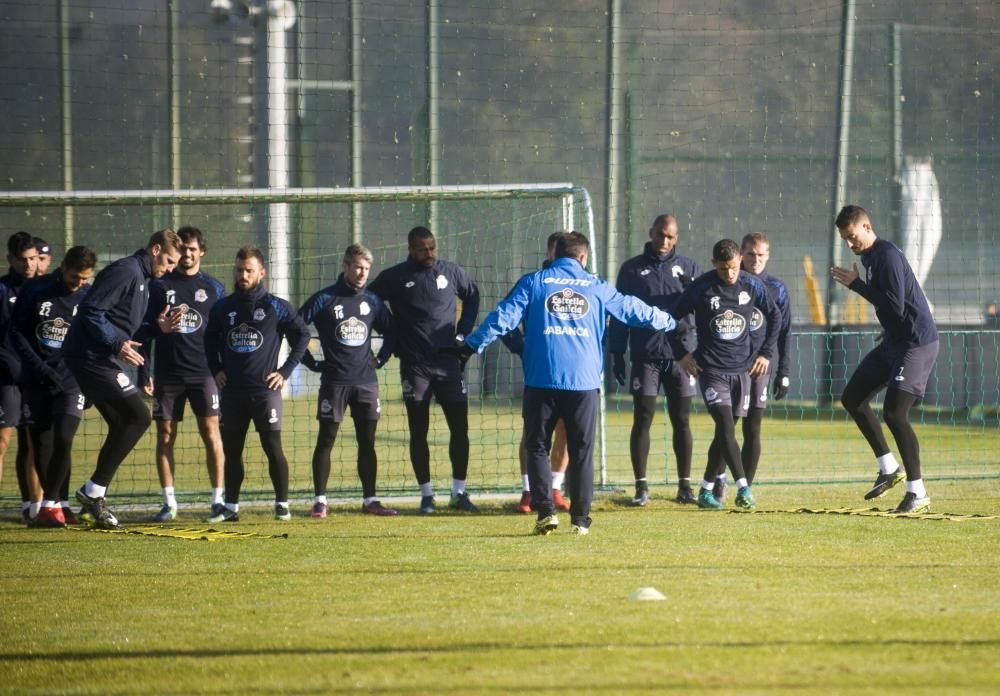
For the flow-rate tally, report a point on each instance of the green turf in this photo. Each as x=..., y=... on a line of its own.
x=799, y=445
x=453, y=603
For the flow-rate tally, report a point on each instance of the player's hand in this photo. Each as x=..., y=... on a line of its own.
x=462, y=351
x=844, y=276
x=220, y=379
x=129, y=354
x=312, y=363
x=780, y=390
x=618, y=367
x=689, y=365
x=274, y=381
x=168, y=320
x=148, y=387
x=760, y=366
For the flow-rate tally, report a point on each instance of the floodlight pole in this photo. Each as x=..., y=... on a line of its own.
x=66, y=116
x=433, y=98
x=842, y=147
x=614, y=136
x=280, y=19
x=174, y=89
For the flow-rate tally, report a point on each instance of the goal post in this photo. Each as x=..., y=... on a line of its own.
x=496, y=232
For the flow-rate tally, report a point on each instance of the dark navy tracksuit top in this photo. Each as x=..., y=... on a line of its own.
x=722, y=315
x=113, y=309
x=424, y=302
x=244, y=336
x=344, y=318
x=656, y=282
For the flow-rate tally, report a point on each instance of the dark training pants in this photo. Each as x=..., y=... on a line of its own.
x=578, y=410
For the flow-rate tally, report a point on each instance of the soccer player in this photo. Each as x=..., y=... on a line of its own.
x=53, y=402
x=242, y=340
x=344, y=315
x=22, y=255
x=902, y=361
x=179, y=305
x=563, y=308
x=98, y=341
x=44, y=256
x=423, y=293
x=723, y=302
x=656, y=276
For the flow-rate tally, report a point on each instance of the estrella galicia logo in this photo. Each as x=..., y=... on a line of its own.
x=567, y=304
x=756, y=319
x=52, y=333
x=191, y=320
x=729, y=325
x=244, y=339
x=351, y=332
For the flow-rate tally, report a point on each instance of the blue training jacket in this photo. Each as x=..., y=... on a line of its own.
x=563, y=308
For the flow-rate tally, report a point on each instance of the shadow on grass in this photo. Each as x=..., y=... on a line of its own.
x=210, y=653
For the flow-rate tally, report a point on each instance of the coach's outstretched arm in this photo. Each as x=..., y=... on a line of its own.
x=502, y=320
x=634, y=312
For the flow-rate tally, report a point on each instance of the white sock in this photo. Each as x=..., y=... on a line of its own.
x=721, y=477
x=233, y=507
x=64, y=504
x=557, y=480
x=457, y=487
x=321, y=499
x=169, y=499
x=685, y=481
x=92, y=490
x=368, y=501
x=33, y=509
x=741, y=483
x=641, y=480
x=708, y=485
x=916, y=487
x=887, y=463
x=49, y=504
x=525, y=486
x=281, y=504
x=426, y=489
x=216, y=495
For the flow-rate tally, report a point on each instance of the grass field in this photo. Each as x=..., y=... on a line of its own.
x=452, y=603
x=801, y=444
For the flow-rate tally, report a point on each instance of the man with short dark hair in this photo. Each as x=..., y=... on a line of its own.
x=423, y=292
x=723, y=302
x=44, y=256
x=179, y=305
x=901, y=363
x=344, y=315
x=22, y=255
x=243, y=339
x=97, y=343
x=656, y=276
x=53, y=402
x=563, y=308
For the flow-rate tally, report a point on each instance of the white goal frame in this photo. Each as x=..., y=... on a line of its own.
x=279, y=199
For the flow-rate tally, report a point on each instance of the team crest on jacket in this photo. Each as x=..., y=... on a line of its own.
x=567, y=304
x=364, y=309
x=200, y=295
x=442, y=282
x=52, y=333
x=744, y=297
x=191, y=320
x=677, y=271
x=756, y=319
x=244, y=339
x=729, y=325
x=352, y=332
x=258, y=314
